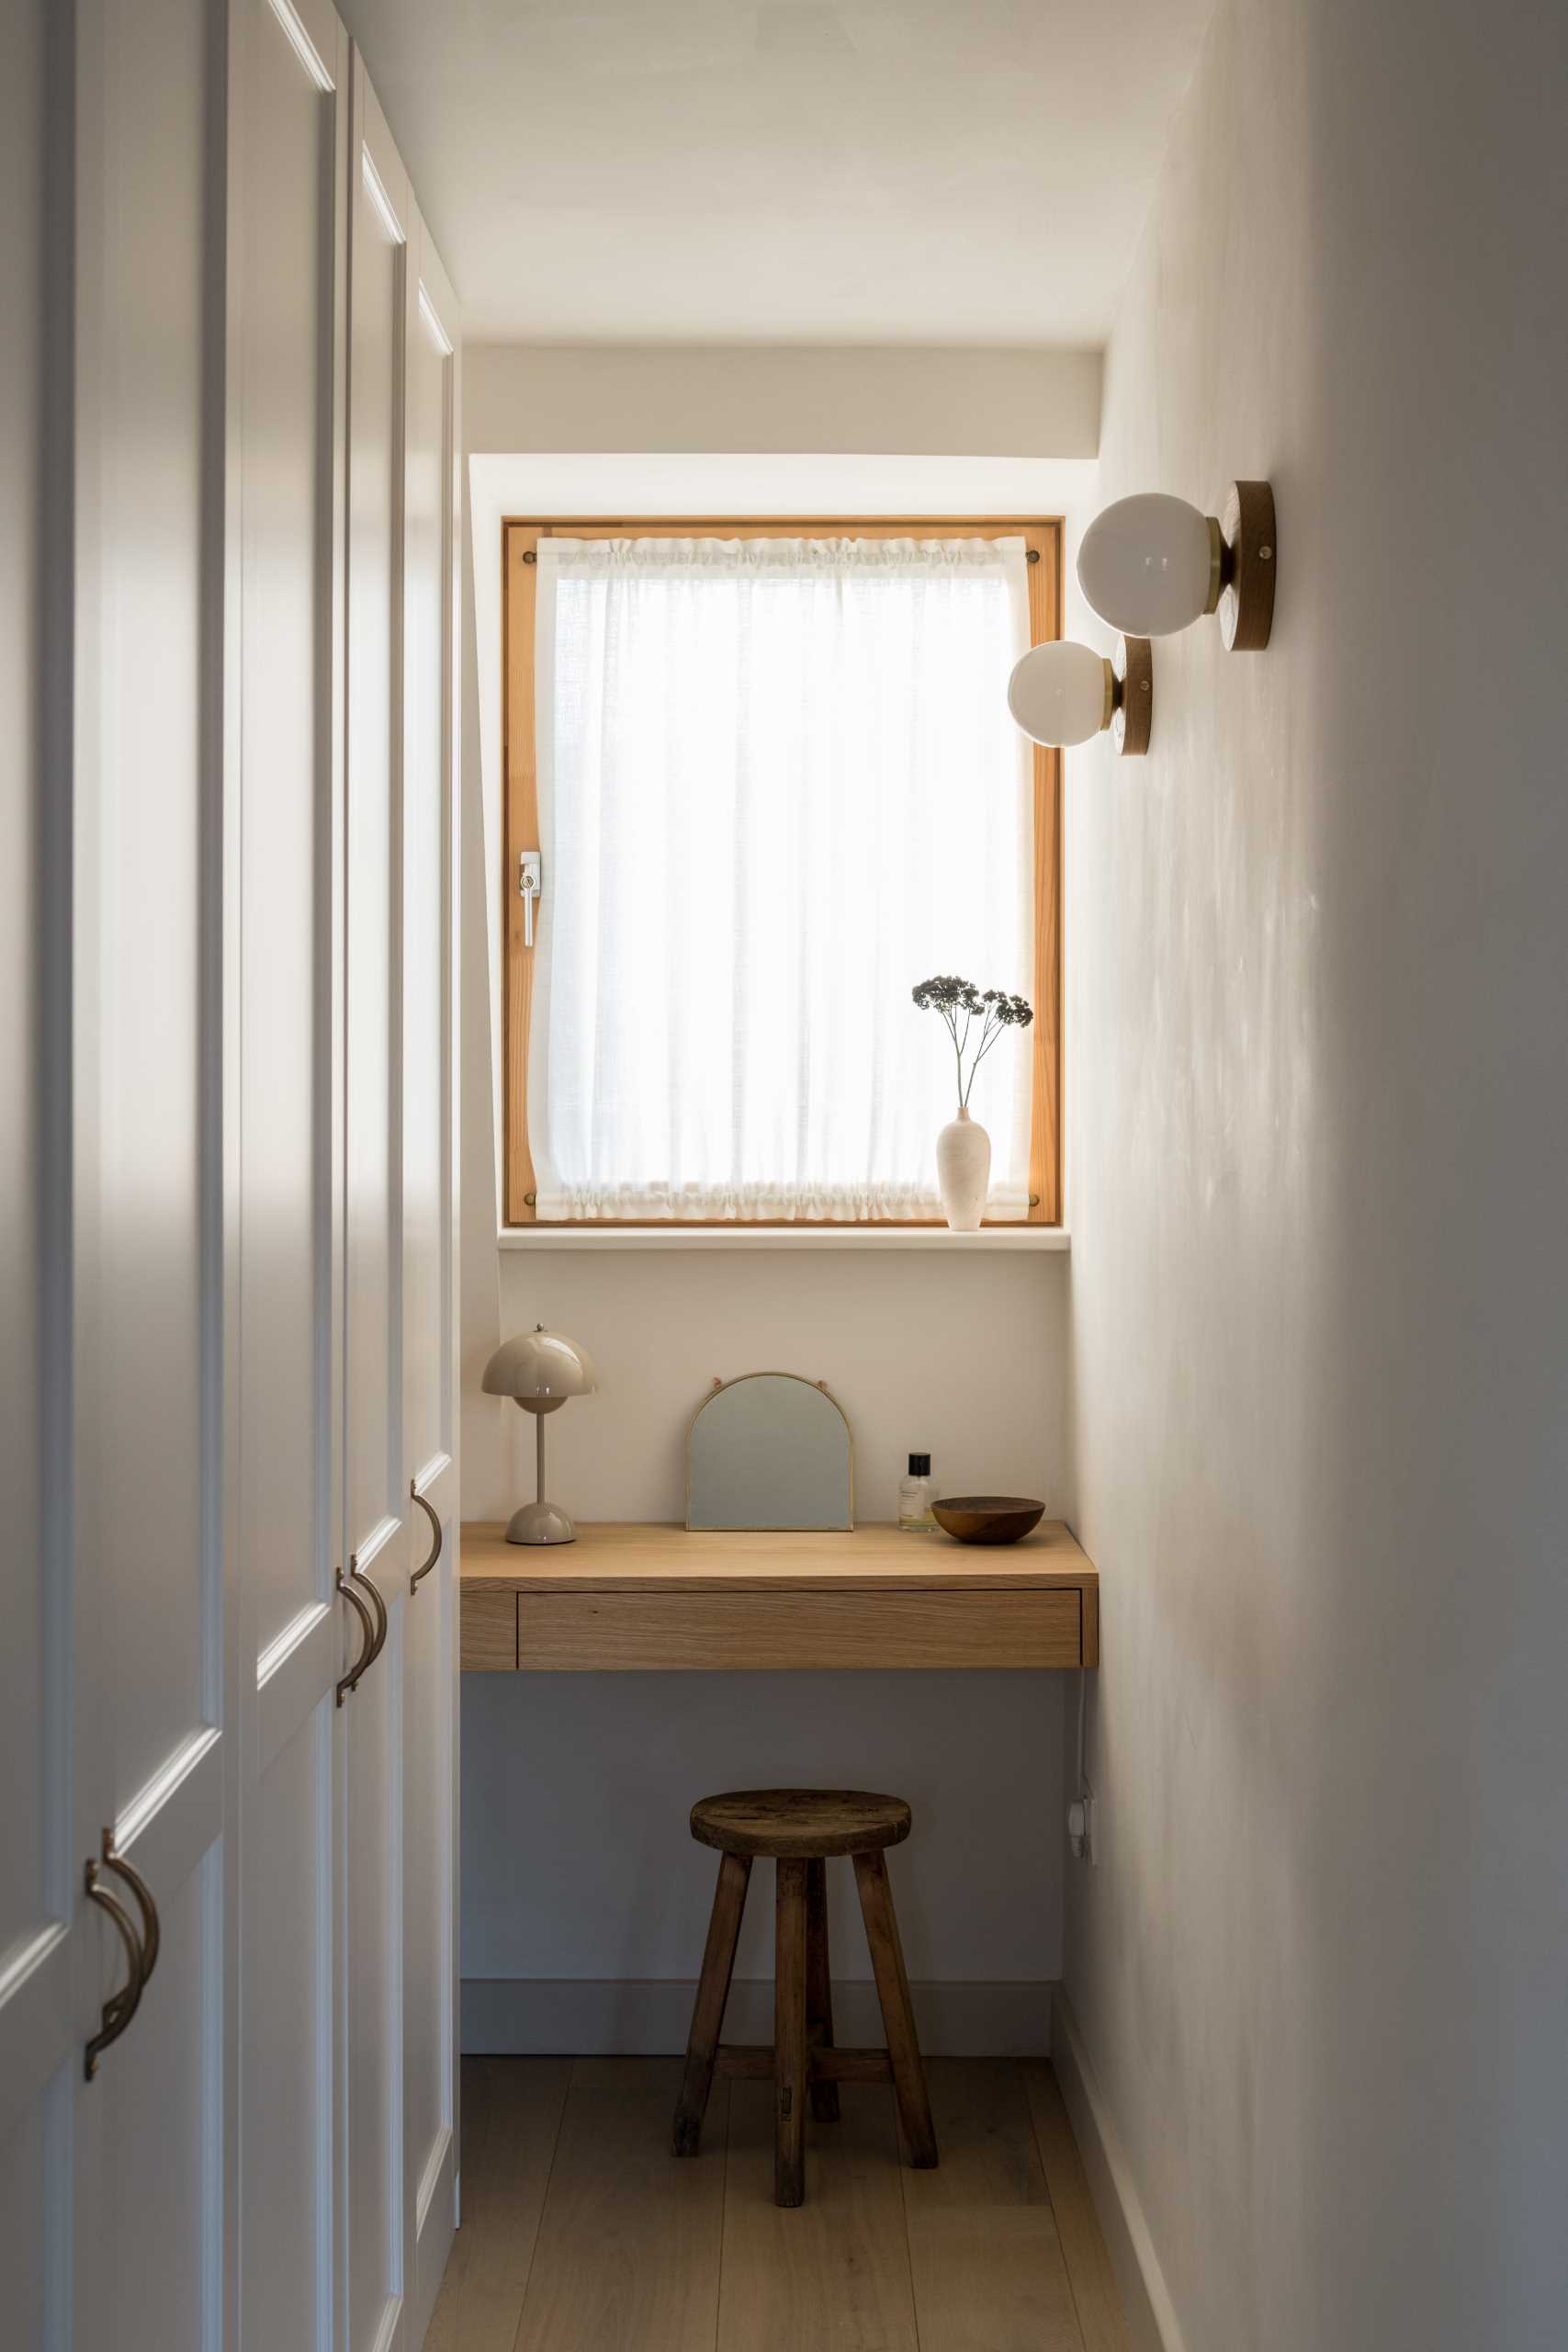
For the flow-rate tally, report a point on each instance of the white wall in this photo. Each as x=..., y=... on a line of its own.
x=1320, y=1292
x=958, y=1359
x=583, y=1894
x=906, y=400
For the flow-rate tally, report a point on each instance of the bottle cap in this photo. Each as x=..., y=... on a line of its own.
x=919, y=1465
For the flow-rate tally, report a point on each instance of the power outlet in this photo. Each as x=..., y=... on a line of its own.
x=1080, y=1829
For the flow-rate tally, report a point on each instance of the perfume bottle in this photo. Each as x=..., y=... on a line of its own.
x=915, y=1494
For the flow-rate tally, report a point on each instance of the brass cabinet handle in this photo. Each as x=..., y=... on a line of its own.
x=350, y=1680
x=383, y=1622
x=429, y=1510
x=122, y=2007
x=151, y=1932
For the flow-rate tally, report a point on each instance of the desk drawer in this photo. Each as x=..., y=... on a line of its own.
x=622, y=1631
x=488, y=1643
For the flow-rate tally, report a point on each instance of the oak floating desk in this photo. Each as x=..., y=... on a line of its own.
x=628, y=1598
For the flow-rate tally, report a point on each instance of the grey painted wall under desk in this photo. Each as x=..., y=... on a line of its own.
x=577, y=1864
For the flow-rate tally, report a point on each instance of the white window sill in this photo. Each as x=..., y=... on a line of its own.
x=992, y=1238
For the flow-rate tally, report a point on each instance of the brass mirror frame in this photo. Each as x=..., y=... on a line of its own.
x=821, y=1386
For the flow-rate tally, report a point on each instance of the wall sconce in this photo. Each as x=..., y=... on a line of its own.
x=1154, y=564
x=1062, y=694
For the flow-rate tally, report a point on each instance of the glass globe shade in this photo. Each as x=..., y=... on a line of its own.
x=1056, y=694
x=1144, y=564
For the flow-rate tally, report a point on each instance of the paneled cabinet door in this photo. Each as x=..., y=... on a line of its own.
x=378, y=1509
x=289, y=147
x=154, y=1057
x=44, y=2017
x=428, y=868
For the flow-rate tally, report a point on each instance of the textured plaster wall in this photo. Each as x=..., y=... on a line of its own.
x=1319, y=1311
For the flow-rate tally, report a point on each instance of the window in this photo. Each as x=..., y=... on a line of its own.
x=771, y=773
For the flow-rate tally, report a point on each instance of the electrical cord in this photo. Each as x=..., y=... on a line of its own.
x=1078, y=1810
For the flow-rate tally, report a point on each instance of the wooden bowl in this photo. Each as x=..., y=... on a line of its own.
x=987, y=1518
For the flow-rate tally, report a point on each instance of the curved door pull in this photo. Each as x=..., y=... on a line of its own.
x=429, y=1510
x=152, y=1933
x=350, y=1680
x=356, y=1576
x=122, y=2007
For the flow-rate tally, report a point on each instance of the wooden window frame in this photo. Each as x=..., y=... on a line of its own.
x=519, y=546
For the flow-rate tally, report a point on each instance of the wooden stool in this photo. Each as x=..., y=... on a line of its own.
x=799, y=1829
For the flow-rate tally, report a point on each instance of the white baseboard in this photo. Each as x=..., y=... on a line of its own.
x=1152, y=2325
x=538, y=2016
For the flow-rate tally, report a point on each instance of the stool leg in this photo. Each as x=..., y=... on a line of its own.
x=898, y=2018
x=818, y=1987
x=789, y=2036
x=713, y=1991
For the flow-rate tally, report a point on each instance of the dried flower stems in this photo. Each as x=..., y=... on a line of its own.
x=995, y=1010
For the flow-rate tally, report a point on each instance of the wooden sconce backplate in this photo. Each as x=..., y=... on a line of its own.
x=1132, y=662
x=1246, y=600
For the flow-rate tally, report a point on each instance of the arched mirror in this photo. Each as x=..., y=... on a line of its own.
x=770, y=1450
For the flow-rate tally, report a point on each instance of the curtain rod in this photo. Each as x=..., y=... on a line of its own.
x=1031, y=555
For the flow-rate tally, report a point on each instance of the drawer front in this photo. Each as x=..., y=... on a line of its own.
x=649, y=1631
x=489, y=1632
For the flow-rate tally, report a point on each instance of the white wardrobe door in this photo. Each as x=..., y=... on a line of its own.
x=151, y=1045
x=40, y=2053
x=430, y=500
x=289, y=132
x=377, y=1496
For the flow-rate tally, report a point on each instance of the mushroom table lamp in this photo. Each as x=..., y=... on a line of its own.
x=539, y=1371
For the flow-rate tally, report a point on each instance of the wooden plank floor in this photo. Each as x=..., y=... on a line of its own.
x=583, y=2234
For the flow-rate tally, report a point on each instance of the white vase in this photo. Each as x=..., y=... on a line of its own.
x=964, y=1171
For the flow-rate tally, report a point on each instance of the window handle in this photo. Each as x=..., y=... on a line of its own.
x=530, y=882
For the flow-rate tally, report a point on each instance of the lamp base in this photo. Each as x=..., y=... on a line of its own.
x=540, y=1523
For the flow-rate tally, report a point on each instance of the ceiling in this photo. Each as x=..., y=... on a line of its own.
x=783, y=171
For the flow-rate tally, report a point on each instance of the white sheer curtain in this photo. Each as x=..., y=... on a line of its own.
x=778, y=787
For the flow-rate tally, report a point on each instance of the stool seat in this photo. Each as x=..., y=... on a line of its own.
x=799, y=1824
